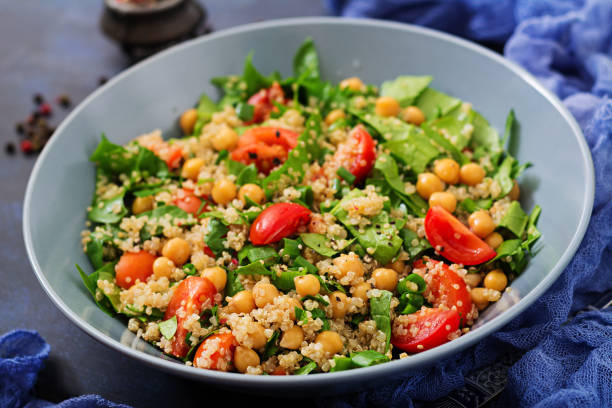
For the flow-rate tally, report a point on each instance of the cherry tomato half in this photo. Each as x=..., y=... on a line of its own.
x=453, y=240
x=132, y=266
x=266, y=147
x=189, y=296
x=187, y=201
x=263, y=102
x=277, y=222
x=431, y=329
x=448, y=289
x=357, y=154
x=216, y=352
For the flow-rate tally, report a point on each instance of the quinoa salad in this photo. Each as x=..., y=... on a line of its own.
x=302, y=226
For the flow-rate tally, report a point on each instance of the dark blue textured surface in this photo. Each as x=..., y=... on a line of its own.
x=568, y=46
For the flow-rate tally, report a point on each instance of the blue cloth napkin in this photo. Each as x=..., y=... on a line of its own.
x=568, y=46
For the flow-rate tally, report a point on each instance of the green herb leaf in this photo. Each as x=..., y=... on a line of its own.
x=245, y=111
x=91, y=283
x=285, y=281
x=253, y=254
x=407, y=284
x=307, y=369
x=316, y=298
x=435, y=103
x=515, y=219
x=254, y=268
x=471, y=206
x=214, y=237
x=190, y=269
x=271, y=345
x=380, y=310
x=168, y=327
x=414, y=245
x=405, y=89
x=306, y=62
x=368, y=358
x=247, y=175
x=341, y=364
x=233, y=285
x=318, y=243
x=291, y=248
x=301, y=262
x=108, y=211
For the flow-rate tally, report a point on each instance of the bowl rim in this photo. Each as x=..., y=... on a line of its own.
x=362, y=374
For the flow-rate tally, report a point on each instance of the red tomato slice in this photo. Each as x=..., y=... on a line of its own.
x=187, y=201
x=172, y=156
x=277, y=222
x=263, y=102
x=133, y=266
x=357, y=154
x=216, y=352
x=189, y=296
x=448, y=289
x=453, y=240
x=431, y=329
x=266, y=147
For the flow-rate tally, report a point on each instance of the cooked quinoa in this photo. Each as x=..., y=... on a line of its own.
x=303, y=227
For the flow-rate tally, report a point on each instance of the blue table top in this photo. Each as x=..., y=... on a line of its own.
x=62, y=50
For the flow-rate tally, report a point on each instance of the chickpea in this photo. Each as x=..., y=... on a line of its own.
x=473, y=279
x=253, y=191
x=331, y=342
x=334, y=115
x=414, y=115
x=352, y=83
x=192, y=167
x=256, y=336
x=494, y=240
x=427, y=184
x=142, y=204
x=225, y=139
x=307, y=285
x=264, y=293
x=347, y=263
x=387, y=106
x=447, y=170
x=245, y=357
x=292, y=339
x=496, y=279
x=177, y=250
x=479, y=298
x=162, y=267
x=339, y=304
x=188, y=120
x=515, y=193
x=471, y=174
x=223, y=191
x=385, y=279
x=217, y=276
x=242, y=302
x=361, y=291
x=397, y=265
x=444, y=199
x=481, y=223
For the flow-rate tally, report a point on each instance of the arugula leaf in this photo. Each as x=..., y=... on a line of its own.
x=254, y=268
x=318, y=243
x=515, y=219
x=470, y=205
x=291, y=247
x=168, y=327
x=214, y=237
x=306, y=61
x=247, y=175
x=380, y=310
x=233, y=285
x=104, y=211
x=254, y=253
x=307, y=369
x=405, y=89
x=271, y=345
x=368, y=358
x=435, y=103
x=384, y=241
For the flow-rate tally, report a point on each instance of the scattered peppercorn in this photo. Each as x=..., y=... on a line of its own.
x=9, y=148
x=26, y=146
x=64, y=101
x=45, y=109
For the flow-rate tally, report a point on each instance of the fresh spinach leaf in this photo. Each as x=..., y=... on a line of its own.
x=435, y=103
x=247, y=175
x=233, y=285
x=318, y=243
x=255, y=253
x=471, y=206
x=380, y=311
x=214, y=238
x=341, y=363
x=272, y=346
x=307, y=369
x=285, y=280
x=291, y=247
x=414, y=245
x=368, y=358
x=253, y=269
x=91, y=283
x=245, y=111
x=515, y=219
x=405, y=89
x=306, y=61
x=316, y=298
x=109, y=211
x=168, y=327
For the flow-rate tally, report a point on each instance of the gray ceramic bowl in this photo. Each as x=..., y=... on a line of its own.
x=153, y=93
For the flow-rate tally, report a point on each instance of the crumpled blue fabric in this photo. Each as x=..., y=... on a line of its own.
x=567, y=45
x=22, y=356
